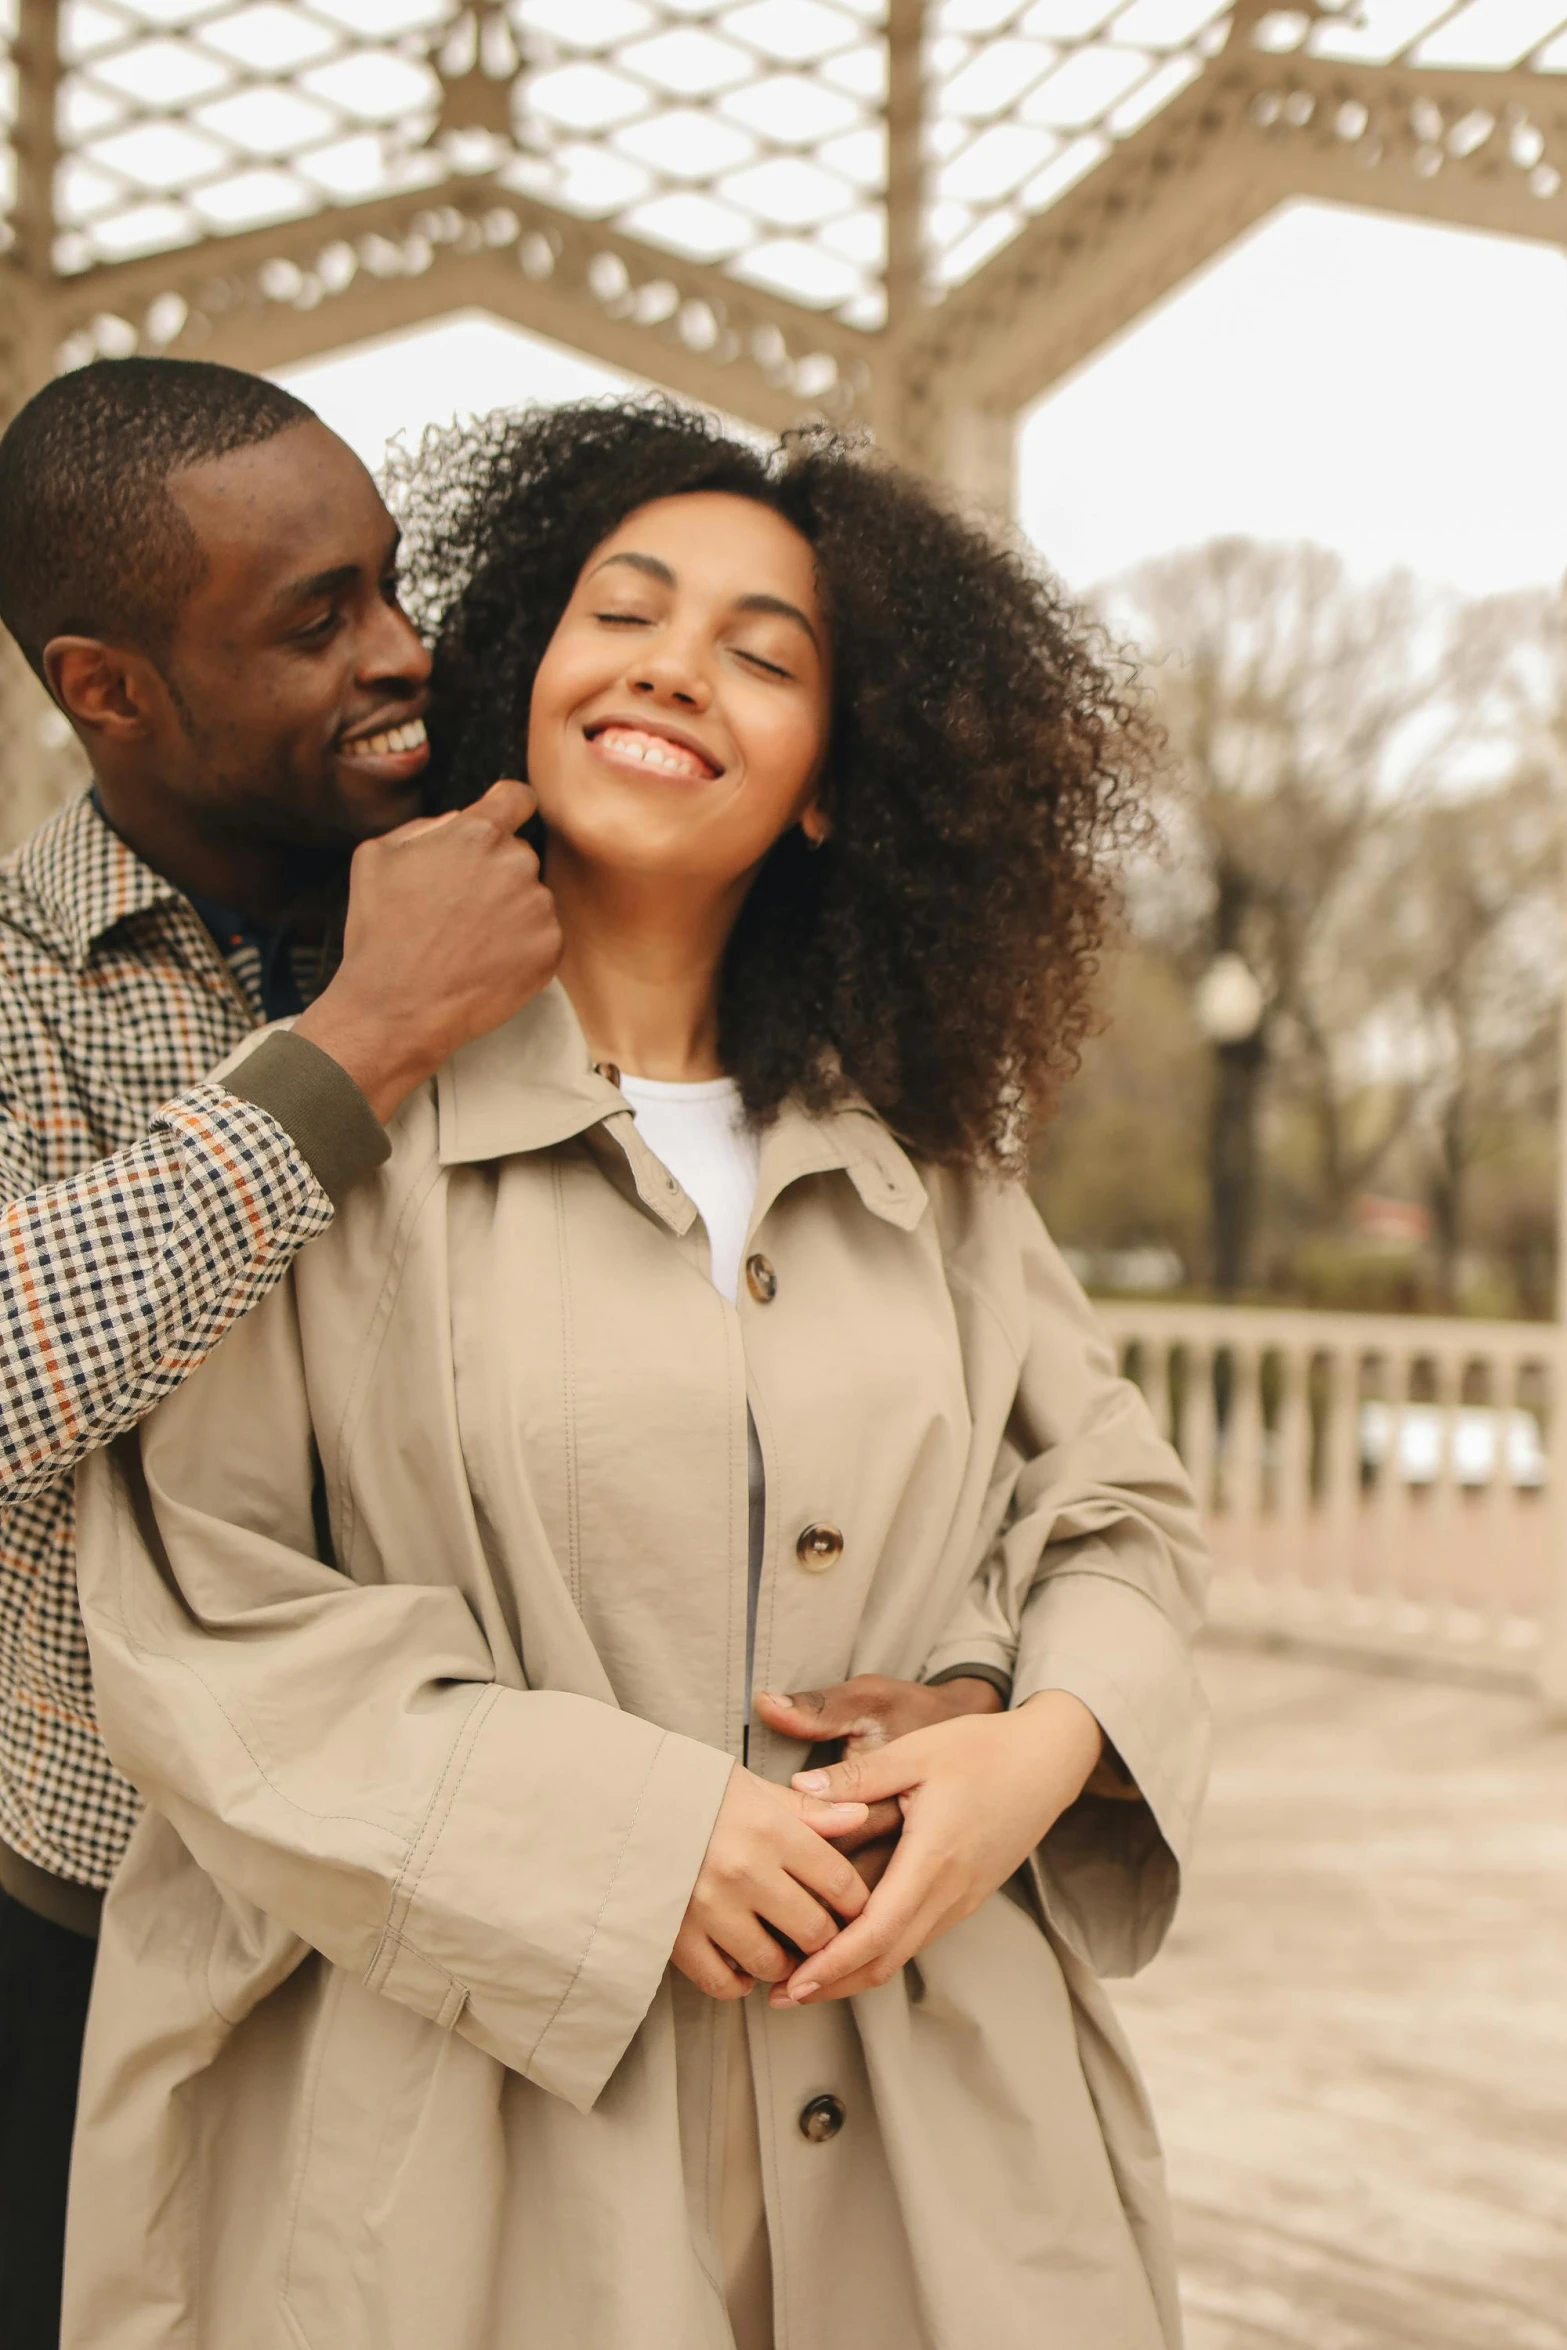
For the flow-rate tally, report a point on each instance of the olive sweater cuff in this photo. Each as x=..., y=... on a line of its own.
x=318, y=1106
x=62, y=1902
x=1000, y=1681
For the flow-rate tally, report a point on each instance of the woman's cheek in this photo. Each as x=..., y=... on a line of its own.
x=787, y=754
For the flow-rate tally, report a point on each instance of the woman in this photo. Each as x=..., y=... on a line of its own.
x=465, y=1989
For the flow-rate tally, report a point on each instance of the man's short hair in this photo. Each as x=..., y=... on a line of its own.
x=91, y=541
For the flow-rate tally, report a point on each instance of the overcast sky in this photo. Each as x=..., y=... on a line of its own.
x=1392, y=390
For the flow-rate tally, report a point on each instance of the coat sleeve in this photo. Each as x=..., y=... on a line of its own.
x=511, y=1864
x=1096, y=1586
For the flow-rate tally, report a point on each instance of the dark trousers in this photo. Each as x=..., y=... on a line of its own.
x=45, y=1976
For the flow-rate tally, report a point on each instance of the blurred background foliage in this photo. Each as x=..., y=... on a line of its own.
x=1361, y=817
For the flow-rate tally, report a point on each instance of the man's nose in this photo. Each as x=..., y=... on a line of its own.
x=394, y=650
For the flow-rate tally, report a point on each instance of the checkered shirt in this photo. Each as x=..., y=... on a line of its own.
x=148, y=1211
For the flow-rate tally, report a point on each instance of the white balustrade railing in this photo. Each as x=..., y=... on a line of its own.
x=1380, y=1482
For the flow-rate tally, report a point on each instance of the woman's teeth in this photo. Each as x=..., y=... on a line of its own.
x=411, y=737
x=653, y=750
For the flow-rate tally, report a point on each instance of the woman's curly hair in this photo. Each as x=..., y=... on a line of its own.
x=986, y=752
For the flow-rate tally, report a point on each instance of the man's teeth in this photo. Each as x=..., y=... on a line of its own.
x=397, y=738
x=652, y=749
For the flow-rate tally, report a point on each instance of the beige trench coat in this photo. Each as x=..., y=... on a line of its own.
x=419, y=1614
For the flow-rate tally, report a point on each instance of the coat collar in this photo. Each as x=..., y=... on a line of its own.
x=530, y=1084
x=84, y=879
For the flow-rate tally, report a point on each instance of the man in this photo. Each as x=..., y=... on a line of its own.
x=205, y=579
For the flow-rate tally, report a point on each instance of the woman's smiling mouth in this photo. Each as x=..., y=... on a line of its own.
x=646, y=746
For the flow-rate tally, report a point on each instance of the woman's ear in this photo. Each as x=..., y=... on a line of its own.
x=816, y=825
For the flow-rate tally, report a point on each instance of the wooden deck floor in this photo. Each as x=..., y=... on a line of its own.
x=1357, y=2035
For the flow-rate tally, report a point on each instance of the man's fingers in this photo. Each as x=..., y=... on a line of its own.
x=811, y=1714
x=415, y=829
x=800, y=1716
x=507, y=804
x=850, y=1709
x=506, y=807
x=883, y=1824
x=873, y=1860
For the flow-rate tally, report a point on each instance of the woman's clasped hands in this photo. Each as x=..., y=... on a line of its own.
x=778, y=1902
x=769, y=1877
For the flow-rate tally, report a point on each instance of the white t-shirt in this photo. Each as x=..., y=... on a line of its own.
x=699, y=1132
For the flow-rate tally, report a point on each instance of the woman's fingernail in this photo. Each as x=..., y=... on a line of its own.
x=849, y=1811
x=812, y=1782
x=800, y=1992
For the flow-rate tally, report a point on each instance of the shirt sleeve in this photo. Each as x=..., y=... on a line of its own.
x=116, y=1282
x=1096, y=1586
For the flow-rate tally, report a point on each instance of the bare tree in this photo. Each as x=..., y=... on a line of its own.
x=1307, y=713
x=1465, y=935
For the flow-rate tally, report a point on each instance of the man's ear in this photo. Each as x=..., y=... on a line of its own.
x=103, y=689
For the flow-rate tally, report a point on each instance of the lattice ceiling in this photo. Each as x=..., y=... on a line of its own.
x=745, y=133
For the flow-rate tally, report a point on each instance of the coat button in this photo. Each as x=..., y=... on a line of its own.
x=819, y=1548
x=822, y=2119
x=761, y=1280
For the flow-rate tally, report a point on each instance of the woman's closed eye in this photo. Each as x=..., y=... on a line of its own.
x=758, y=661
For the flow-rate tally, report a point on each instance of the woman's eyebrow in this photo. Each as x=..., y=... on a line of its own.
x=784, y=610
x=648, y=563
x=759, y=602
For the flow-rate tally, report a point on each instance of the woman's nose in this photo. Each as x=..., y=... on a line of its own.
x=672, y=681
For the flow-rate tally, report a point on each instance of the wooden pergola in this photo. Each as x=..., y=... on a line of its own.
x=920, y=213
x=917, y=214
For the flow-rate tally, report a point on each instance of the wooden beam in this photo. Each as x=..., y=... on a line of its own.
x=1252, y=133
x=272, y=295
x=905, y=159
x=34, y=137
x=282, y=336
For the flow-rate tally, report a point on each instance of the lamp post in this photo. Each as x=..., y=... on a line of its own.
x=1230, y=1006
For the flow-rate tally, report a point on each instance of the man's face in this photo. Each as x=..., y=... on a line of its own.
x=298, y=684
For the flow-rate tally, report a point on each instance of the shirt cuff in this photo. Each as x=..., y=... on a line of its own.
x=318, y=1106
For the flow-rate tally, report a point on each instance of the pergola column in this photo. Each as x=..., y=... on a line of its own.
x=39, y=760
x=1553, y=1658
x=977, y=457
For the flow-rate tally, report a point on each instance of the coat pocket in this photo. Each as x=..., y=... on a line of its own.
x=395, y=2181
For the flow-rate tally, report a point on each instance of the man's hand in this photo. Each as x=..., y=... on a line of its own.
x=767, y=1866
x=450, y=930
x=977, y=1797
x=857, y=1716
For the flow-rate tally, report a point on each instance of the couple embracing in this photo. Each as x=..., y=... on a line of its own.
x=502, y=1961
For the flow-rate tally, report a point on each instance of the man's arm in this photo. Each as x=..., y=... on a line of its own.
x=117, y=1282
